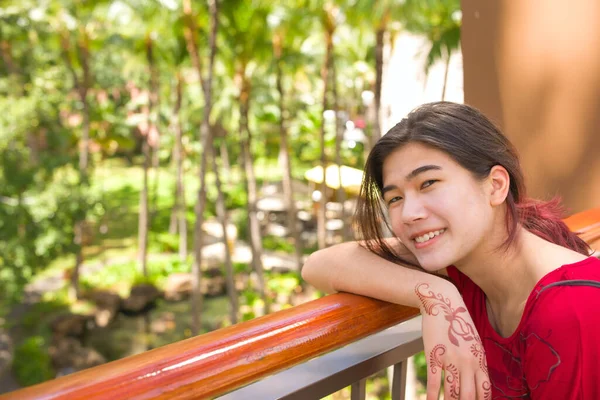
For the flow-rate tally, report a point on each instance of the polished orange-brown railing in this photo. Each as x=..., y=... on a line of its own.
x=587, y=225
x=218, y=362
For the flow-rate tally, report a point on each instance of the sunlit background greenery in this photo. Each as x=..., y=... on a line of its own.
x=108, y=73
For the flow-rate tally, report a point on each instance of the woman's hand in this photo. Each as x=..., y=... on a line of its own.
x=452, y=345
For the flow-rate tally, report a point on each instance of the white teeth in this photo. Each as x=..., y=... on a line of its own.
x=428, y=236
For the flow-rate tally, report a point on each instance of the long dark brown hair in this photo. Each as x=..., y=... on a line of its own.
x=474, y=142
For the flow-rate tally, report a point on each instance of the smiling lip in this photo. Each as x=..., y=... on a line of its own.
x=429, y=242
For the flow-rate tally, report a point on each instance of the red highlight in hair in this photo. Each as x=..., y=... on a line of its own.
x=544, y=219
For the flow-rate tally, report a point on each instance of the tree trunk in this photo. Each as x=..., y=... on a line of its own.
x=379, y=37
x=81, y=86
x=284, y=159
x=173, y=227
x=205, y=135
x=153, y=104
x=180, y=185
x=447, y=67
x=225, y=165
x=11, y=66
x=222, y=216
x=143, y=217
x=321, y=216
x=340, y=193
x=255, y=235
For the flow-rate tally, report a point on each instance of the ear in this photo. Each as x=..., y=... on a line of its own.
x=499, y=184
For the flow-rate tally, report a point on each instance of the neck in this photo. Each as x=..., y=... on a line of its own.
x=506, y=276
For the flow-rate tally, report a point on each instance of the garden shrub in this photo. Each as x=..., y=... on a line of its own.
x=32, y=363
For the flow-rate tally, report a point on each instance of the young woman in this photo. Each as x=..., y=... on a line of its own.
x=496, y=275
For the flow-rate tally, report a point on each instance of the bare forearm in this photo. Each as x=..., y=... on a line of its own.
x=348, y=267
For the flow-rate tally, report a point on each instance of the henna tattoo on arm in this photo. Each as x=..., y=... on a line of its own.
x=434, y=303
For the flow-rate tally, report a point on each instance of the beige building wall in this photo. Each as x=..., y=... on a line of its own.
x=534, y=67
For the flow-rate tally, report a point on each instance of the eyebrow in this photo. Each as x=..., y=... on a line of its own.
x=413, y=174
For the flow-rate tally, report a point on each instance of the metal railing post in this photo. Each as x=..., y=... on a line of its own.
x=358, y=390
x=399, y=380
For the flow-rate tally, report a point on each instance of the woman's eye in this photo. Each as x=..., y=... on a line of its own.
x=394, y=199
x=428, y=183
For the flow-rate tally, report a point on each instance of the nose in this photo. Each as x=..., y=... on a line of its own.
x=413, y=210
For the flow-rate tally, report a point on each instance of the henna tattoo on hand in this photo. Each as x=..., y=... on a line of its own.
x=433, y=303
x=478, y=351
x=451, y=370
x=487, y=390
x=453, y=380
x=434, y=358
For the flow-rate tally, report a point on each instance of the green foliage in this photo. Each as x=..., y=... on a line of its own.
x=239, y=218
x=276, y=243
x=283, y=283
x=241, y=268
x=121, y=276
x=43, y=119
x=40, y=313
x=439, y=21
x=421, y=367
x=164, y=243
x=32, y=363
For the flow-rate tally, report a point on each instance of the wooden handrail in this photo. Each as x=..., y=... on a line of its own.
x=220, y=361
x=587, y=226
x=223, y=360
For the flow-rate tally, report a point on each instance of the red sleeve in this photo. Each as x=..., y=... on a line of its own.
x=457, y=277
x=562, y=353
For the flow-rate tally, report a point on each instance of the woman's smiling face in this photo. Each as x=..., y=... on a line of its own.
x=436, y=207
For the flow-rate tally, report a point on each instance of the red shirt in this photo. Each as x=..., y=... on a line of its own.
x=555, y=351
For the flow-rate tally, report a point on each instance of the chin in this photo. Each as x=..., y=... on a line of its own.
x=432, y=265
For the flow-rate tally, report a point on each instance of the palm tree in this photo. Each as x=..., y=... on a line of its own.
x=178, y=155
x=177, y=55
x=287, y=38
x=75, y=51
x=206, y=138
x=375, y=17
x=439, y=21
x=143, y=30
x=329, y=21
x=250, y=47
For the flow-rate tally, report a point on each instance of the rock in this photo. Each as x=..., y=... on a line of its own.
x=141, y=298
x=163, y=323
x=68, y=355
x=108, y=305
x=73, y=325
x=6, y=352
x=213, y=286
x=178, y=286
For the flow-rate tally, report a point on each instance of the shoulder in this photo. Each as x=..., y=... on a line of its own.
x=560, y=340
x=567, y=298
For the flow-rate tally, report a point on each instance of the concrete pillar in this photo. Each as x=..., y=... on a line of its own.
x=534, y=67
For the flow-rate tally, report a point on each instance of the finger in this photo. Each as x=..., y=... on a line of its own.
x=451, y=382
x=483, y=386
x=434, y=377
x=467, y=386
